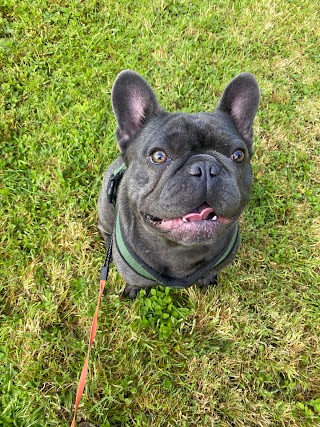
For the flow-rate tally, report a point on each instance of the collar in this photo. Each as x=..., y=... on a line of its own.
x=138, y=265
x=144, y=270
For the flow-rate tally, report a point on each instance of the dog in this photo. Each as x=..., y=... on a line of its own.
x=173, y=199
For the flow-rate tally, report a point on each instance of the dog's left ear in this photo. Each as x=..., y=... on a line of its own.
x=134, y=103
x=240, y=100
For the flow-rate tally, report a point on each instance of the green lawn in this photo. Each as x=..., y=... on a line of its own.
x=244, y=354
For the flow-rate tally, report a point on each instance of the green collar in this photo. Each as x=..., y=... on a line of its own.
x=138, y=265
x=144, y=270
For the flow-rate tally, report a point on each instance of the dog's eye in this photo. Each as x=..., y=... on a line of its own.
x=238, y=156
x=158, y=157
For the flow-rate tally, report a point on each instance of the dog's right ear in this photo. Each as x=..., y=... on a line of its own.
x=134, y=103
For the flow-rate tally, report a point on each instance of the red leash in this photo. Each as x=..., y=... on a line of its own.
x=93, y=331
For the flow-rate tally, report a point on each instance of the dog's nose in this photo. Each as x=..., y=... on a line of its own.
x=204, y=169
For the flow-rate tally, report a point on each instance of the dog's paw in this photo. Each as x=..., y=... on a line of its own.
x=208, y=281
x=132, y=291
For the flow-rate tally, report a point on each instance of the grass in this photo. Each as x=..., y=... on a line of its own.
x=244, y=354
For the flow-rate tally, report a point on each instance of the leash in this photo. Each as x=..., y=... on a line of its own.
x=94, y=326
x=112, y=188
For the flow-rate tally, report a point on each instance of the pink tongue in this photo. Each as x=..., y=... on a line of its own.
x=198, y=216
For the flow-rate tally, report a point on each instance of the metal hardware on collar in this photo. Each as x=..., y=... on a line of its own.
x=113, y=184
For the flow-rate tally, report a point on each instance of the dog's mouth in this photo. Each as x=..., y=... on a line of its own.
x=203, y=216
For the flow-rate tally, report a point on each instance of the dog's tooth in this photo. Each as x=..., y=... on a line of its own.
x=214, y=218
x=184, y=220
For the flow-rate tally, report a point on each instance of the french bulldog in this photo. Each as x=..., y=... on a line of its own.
x=173, y=199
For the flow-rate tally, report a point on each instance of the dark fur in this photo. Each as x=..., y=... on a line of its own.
x=200, y=168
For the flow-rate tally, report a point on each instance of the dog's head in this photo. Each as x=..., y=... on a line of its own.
x=188, y=175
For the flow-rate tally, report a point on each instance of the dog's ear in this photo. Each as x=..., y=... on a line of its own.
x=134, y=103
x=240, y=100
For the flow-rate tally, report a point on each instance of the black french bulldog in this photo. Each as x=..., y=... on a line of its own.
x=182, y=182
